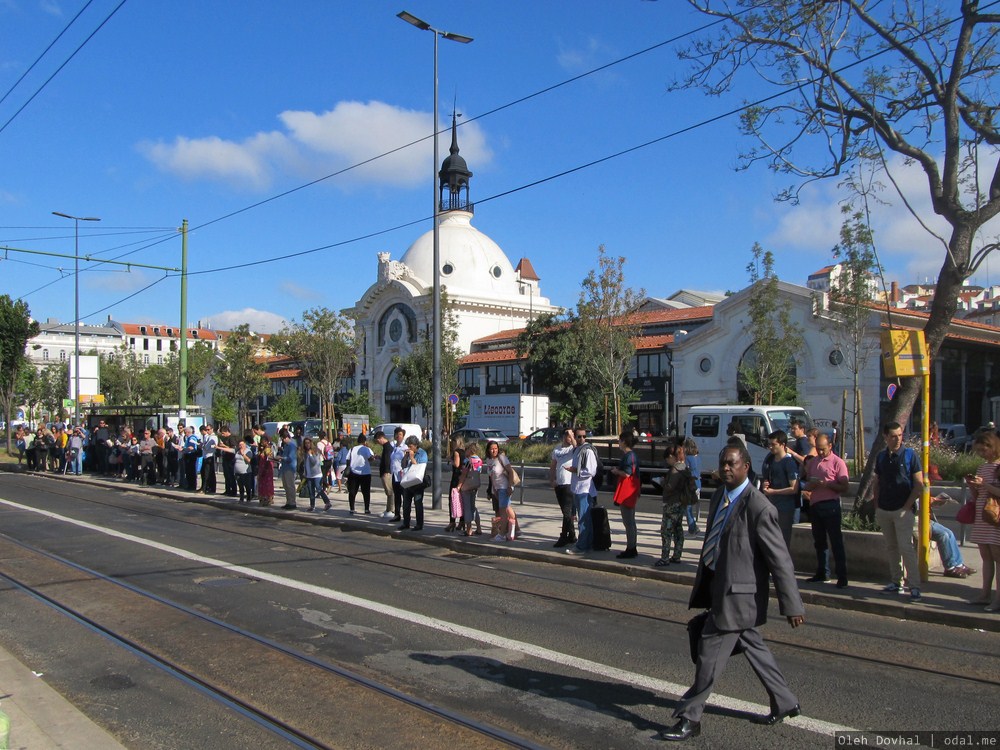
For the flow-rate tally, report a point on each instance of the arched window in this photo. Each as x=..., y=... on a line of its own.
x=764, y=381
x=406, y=319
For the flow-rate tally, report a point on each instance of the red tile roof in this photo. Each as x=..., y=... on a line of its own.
x=135, y=329
x=526, y=271
x=282, y=374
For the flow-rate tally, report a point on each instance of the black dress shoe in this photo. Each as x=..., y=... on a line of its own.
x=772, y=719
x=817, y=579
x=841, y=583
x=684, y=729
x=404, y=527
x=418, y=527
x=561, y=543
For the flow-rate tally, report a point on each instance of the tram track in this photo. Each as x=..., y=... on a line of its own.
x=582, y=596
x=43, y=573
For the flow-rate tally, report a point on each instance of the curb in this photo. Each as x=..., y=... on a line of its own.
x=901, y=610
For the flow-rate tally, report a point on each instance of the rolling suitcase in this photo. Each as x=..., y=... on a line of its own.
x=602, y=527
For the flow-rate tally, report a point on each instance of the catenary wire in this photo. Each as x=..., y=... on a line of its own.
x=45, y=51
x=63, y=65
x=580, y=167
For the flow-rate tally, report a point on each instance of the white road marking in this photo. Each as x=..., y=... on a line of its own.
x=529, y=649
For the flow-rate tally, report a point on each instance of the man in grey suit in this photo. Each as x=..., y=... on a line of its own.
x=743, y=546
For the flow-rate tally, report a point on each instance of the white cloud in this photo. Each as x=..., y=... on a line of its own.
x=314, y=144
x=116, y=281
x=587, y=55
x=260, y=321
x=298, y=291
x=906, y=250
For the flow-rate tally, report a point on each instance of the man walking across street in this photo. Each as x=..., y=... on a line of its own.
x=743, y=548
x=900, y=481
x=826, y=481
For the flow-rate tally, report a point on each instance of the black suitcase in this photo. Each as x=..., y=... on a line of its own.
x=602, y=528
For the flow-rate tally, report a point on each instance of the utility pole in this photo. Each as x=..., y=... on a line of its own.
x=183, y=354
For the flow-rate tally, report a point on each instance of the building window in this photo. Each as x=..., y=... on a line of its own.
x=142, y=330
x=468, y=379
x=62, y=355
x=159, y=345
x=159, y=359
x=503, y=375
x=131, y=343
x=647, y=365
x=145, y=359
x=145, y=345
x=45, y=353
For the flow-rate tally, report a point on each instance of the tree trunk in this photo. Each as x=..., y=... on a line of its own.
x=943, y=307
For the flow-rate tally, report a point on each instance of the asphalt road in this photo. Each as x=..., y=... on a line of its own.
x=553, y=656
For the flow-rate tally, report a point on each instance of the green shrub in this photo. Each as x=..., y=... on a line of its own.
x=857, y=522
x=953, y=465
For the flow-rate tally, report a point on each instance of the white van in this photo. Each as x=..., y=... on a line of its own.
x=707, y=426
x=271, y=429
x=390, y=427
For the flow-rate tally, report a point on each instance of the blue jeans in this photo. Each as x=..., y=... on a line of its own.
x=825, y=518
x=503, y=498
x=951, y=557
x=315, y=485
x=692, y=522
x=585, y=539
x=77, y=465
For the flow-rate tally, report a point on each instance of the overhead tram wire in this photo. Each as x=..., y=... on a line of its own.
x=45, y=52
x=63, y=65
x=580, y=167
x=392, y=151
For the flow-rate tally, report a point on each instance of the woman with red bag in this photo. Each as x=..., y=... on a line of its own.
x=627, y=492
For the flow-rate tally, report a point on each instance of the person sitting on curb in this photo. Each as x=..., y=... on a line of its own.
x=951, y=555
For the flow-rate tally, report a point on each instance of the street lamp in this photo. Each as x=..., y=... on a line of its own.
x=76, y=303
x=436, y=395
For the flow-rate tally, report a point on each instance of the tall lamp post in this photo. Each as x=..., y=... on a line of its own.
x=436, y=395
x=76, y=305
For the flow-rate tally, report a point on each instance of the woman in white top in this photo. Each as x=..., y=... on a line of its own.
x=497, y=463
x=359, y=464
x=312, y=469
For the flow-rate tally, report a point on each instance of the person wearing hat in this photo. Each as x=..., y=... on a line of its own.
x=76, y=451
x=413, y=495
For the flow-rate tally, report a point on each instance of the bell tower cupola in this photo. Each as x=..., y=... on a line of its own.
x=454, y=177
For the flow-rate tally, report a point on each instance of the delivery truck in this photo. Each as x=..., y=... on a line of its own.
x=516, y=415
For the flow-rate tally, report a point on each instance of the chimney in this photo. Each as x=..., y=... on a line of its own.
x=894, y=292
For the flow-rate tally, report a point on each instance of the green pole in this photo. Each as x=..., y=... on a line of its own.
x=183, y=355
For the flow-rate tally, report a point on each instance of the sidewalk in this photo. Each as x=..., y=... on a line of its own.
x=40, y=718
x=944, y=600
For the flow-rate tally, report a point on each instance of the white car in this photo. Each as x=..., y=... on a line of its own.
x=479, y=435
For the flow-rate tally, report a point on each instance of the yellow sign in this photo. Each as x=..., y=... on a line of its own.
x=904, y=354
x=88, y=399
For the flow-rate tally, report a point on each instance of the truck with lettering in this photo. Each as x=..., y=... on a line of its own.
x=516, y=415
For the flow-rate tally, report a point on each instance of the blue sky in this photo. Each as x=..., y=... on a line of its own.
x=199, y=109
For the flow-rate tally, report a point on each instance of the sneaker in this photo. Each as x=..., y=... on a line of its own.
x=387, y=515
x=502, y=538
x=817, y=579
x=892, y=588
x=328, y=507
x=310, y=510
x=573, y=551
x=915, y=595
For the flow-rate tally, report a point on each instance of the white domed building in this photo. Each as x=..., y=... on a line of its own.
x=485, y=293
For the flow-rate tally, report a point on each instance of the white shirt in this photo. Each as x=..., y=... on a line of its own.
x=585, y=461
x=396, y=460
x=359, y=460
x=563, y=456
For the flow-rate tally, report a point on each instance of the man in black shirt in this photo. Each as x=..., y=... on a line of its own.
x=227, y=448
x=780, y=482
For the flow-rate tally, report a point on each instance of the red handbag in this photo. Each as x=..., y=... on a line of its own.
x=628, y=489
x=966, y=514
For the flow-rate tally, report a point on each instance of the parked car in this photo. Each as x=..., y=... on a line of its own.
x=546, y=436
x=388, y=428
x=955, y=436
x=477, y=435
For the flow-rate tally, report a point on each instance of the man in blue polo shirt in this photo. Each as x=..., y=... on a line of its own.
x=900, y=482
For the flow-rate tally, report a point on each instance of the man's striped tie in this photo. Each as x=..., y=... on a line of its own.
x=710, y=550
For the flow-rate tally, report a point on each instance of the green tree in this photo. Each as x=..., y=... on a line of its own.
x=287, y=408
x=223, y=411
x=606, y=332
x=852, y=295
x=550, y=347
x=162, y=381
x=865, y=78
x=122, y=377
x=322, y=346
x=16, y=328
x=53, y=386
x=416, y=370
x=29, y=390
x=767, y=370
x=239, y=375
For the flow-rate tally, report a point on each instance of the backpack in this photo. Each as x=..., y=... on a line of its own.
x=599, y=474
x=895, y=483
